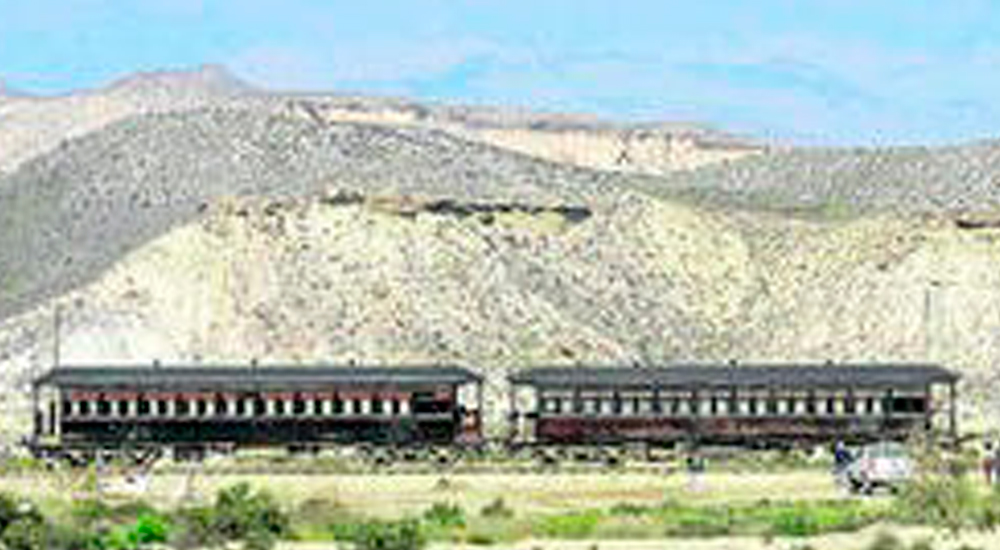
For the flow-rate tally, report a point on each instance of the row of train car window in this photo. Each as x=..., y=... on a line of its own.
x=242, y=407
x=720, y=406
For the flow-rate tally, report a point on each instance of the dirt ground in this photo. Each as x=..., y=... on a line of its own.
x=840, y=541
x=398, y=495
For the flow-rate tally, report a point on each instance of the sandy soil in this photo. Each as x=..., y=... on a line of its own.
x=845, y=541
x=396, y=495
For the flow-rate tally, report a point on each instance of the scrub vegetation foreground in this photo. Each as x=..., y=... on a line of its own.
x=944, y=499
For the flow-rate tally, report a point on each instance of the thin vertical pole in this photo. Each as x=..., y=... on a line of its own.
x=952, y=413
x=480, y=420
x=57, y=335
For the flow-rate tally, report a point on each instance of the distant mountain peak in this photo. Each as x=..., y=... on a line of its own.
x=209, y=78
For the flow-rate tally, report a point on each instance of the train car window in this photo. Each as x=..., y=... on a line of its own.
x=908, y=405
x=616, y=405
x=397, y=408
x=299, y=406
x=870, y=405
x=356, y=406
x=811, y=405
x=241, y=407
x=752, y=406
x=694, y=406
x=259, y=407
x=376, y=406
x=103, y=408
x=317, y=406
x=84, y=408
x=577, y=405
x=772, y=405
x=792, y=406
x=122, y=407
x=338, y=406
x=142, y=407
x=279, y=407
x=656, y=405
x=67, y=408
x=202, y=407
x=182, y=407
x=849, y=405
x=637, y=405
x=161, y=408
x=831, y=405
x=713, y=406
x=221, y=406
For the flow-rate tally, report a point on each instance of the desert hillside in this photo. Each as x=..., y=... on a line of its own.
x=229, y=223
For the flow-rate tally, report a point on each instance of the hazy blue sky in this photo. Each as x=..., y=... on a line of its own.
x=841, y=71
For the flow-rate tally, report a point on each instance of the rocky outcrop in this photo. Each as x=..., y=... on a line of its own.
x=639, y=280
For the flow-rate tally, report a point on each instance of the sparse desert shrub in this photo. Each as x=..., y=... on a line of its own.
x=497, y=509
x=9, y=510
x=628, y=509
x=387, y=535
x=939, y=500
x=885, y=541
x=922, y=544
x=238, y=514
x=578, y=525
x=445, y=514
x=25, y=533
x=699, y=522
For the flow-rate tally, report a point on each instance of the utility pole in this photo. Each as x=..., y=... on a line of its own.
x=930, y=349
x=57, y=336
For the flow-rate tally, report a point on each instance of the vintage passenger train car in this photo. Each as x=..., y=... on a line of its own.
x=776, y=405
x=193, y=409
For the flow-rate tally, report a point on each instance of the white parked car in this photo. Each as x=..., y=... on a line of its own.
x=883, y=464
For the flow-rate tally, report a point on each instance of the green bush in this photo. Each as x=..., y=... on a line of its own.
x=195, y=528
x=9, y=510
x=794, y=523
x=238, y=514
x=25, y=533
x=385, y=535
x=577, y=525
x=699, y=522
x=941, y=501
x=446, y=515
x=628, y=509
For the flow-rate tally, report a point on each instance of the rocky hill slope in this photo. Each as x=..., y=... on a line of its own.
x=31, y=126
x=242, y=225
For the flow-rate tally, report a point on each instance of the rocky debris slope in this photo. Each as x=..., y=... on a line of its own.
x=855, y=180
x=31, y=126
x=68, y=215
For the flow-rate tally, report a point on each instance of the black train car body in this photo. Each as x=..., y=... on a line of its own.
x=730, y=404
x=201, y=407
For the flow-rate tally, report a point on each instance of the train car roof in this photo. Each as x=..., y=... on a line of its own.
x=231, y=377
x=738, y=375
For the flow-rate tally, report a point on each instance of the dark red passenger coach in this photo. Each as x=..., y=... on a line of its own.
x=730, y=404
